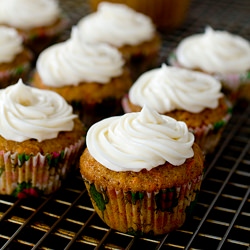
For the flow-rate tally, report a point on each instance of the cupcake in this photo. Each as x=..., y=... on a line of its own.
x=91, y=77
x=40, y=141
x=39, y=22
x=185, y=95
x=142, y=171
x=219, y=53
x=166, y=14
x=131, y=32
x=15, y=59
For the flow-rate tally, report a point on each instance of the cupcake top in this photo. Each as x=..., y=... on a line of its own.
x=73, y=61
x=139, y=140
x=169, y=88
x=116, y=24
x=27, y=14
x=11, y=44
x=215, y=52
x=30, y=113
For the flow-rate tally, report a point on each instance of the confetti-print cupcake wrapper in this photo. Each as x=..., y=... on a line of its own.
x=140, y=213
x=208, y=136
x=46, y=31
x=23, y=175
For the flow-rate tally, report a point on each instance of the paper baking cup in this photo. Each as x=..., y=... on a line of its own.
x=208, y=136
x=23, y=175
x=142, y=213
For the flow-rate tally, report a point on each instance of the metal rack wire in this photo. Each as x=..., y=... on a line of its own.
x=221, y=219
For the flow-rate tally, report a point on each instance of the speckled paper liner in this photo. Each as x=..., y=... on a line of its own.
x=23, y=175
x=207, y=136
x=38, y=39
x=143, y=213
x=11, y=76
x=231, y=83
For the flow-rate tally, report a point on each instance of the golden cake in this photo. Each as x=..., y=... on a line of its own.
x=40, y=141
x=142, y=171
x=186, y=95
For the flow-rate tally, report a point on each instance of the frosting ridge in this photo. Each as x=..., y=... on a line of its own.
x=116, y=24
x=31, y=113
x=75, y=61
x=139, y=140
x=169, y=88
x=26, y=14
x=215, y=52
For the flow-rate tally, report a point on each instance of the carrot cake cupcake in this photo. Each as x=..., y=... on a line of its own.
x=224, y=55
x=185, y=95
x=39, y=22
x=40, y=141
x=15, y=59
x=142, y=171
x=133, y=33
x=91, y=77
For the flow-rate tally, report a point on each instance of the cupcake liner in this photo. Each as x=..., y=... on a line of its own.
x=38, y=39
x=141, y=213
x=46, y=31
x=208, y=136
x=23, y=175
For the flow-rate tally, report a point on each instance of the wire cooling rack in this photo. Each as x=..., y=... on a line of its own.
x=221, y=219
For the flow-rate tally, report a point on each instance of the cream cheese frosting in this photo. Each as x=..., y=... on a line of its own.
x=31, y=113
x=75, y=61
x=139, y=140
x=10, y=44
x=27, y=14
x=215, y=51
x=116, y=24
x=169, y=88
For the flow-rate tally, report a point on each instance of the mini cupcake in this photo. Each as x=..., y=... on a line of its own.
x=39, y=22
x=142, y=171
x=185, y=95
x=133, y=33
x=15, y=59
x=224, y=55
x=40, y=141
x=91, y=77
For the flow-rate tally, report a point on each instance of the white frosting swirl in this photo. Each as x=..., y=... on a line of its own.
x=27, y=14
x=30, y=113
x=139, y=140
x=116, y=24
x=169, y=88
x=10, y=44
x=74, y=61
x=215, y=52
